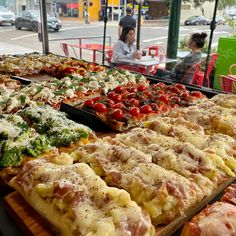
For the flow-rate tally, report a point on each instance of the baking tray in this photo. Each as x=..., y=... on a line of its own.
x=84, y=117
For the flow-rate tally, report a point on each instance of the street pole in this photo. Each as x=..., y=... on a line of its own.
x=43, y=15
x=173, y=32
x=139, y=24
x=212, y=27
x=105, y=19
x=87, y=12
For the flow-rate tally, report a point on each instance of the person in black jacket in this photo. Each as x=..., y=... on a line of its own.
x=127, y=20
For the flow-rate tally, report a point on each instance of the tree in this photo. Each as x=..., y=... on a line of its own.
x=226, y=3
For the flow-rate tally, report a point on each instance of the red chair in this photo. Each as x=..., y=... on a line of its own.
x=227, y=83
x=64, y=48
x=138, y=69
x=109, y=55
x=156, y=49
x=192, y=71
x=231, y=69
x=200, y=74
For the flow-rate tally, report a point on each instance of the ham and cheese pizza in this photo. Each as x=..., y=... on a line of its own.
x=171, y=154
x=218, y=219
x=78, y=202
x=213, y=118
x=225, y=100
x=163, y=193
x=220, y=148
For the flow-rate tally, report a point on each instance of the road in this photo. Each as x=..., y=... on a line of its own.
x=151, y=34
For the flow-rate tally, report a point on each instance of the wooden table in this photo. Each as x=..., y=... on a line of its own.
x=94, y=47
x=148, y=62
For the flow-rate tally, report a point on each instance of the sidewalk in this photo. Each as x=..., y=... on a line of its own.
x=6, y=48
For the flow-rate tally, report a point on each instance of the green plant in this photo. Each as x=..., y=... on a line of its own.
x=231, y=23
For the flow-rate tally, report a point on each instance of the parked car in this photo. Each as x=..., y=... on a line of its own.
x=30, y=19
x=197, y=20
x=220, y=20
x=6, y=16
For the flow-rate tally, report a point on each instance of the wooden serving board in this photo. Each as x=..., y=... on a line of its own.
x=32, y=224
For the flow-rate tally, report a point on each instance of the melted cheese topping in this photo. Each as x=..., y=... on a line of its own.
x=220, y=220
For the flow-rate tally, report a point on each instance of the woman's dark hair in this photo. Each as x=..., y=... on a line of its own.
x=125, y=31
x=199, y=39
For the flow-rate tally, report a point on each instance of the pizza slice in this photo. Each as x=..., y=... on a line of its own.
x=230, y=194
x=217, y=219
x=213, y=118
x=225, y=100
x=163, y=193
x=218, y=147
x=171, y=154
x=60, y=131
x=75, y=201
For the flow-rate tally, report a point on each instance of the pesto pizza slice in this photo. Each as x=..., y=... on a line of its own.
x=59, y=130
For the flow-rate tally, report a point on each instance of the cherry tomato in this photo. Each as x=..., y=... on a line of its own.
x=109, y=101
x=89, y=103
x=134, y=111
x=164, y=98
x=160, y=92
x=154, y=106
x=184, y=94
x=96, y=99
x=146, y=109
x=133, y=90
x=117, y=98
x=160, y=85
x=118, y=105
x=147, y=93
x=175, y=99
x=119, y=89
x=111, y=95
x=100, y=107
x=117, y=114
x=180, y=86
x=134, y=102
x=197, y=94
x=131, y=95
x=142, y=87
x=174, y=90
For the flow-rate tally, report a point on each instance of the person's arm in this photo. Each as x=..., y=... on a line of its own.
x=119, y=53
x=188, y=61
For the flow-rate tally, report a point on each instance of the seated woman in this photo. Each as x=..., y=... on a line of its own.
x=195, y=43
x=125, y=48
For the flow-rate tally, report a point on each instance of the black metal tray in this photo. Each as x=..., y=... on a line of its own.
x=84, y=117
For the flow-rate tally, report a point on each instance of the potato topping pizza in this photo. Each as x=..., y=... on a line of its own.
x=163, y=193
x=78, y=202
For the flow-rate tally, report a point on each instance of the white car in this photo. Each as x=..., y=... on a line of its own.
x=6, y=16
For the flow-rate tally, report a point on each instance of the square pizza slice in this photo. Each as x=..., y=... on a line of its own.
x=75, y=201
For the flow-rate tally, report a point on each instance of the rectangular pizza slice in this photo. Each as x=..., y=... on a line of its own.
x=225, y=100
x=218, y=147
x=163, y=193
x=217, y=219
x=75, y=201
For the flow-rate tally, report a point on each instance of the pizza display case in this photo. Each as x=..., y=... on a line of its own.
x=32, y=224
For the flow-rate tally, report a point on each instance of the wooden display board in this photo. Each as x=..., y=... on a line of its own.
x=32, y=224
